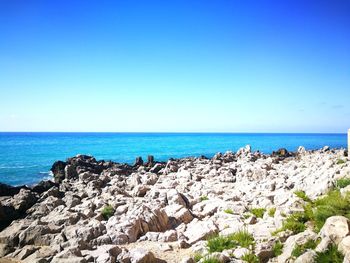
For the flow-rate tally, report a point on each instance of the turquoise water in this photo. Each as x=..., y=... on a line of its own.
x=25, y=158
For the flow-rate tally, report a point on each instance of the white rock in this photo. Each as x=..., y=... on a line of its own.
x=335, y=228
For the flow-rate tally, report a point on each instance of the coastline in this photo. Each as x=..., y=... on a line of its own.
x=100, y=210
x=25, y=157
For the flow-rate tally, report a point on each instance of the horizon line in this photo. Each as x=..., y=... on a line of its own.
x=177, y=132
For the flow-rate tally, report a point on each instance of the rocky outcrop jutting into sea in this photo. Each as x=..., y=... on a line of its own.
x=179, y=211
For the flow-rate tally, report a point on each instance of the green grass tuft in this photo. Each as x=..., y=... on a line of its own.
x=330, y=205
x=258, y=212
x=228, y=211
x=220, y=243
x=250, y=258
x=197, y=257
x=301, y=249
x=343, y=182
x=317, y=212
x=244, y=238
x=204, y=198
x=210, y=260
x=340, y=161
x=331, y=255
x=295, y=222
x=272, y=211
x=107, y=212
x=277, y=249
x=301, y=194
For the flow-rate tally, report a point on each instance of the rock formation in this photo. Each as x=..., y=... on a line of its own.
x=99, y=211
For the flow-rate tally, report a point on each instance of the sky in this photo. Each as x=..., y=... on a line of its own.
x=175, y=66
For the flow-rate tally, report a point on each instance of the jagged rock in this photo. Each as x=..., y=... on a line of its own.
x=23, y=200
x=168, y=236
x=150, y=160
x=283, y=153
x=26, y=251
x=43, y=254
x=344, y=245
x=69, y=255
x=8, y=190
x=174, y=197
x=335, y=228
x=297, y=239
x=184, y=202
x=103, y=254
x=70, y=172
x=178, y=214
x=58, y=171
x=199, y=230
x=140, y=190
x=5, y=249
x=307, y=257
x=43, y=186
x=138, y=255
x=138, y=161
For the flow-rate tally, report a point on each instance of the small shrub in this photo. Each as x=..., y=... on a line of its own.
x=331, y=255
x=330, y=205
x=197, y=257
x=343, y=182
x=340, y=161
x=204, y=198
x=250, y=258
x=301, y=194
x=107, y=212
x=219, y=243
x=295, y=222
x=228, y=211
x=243, y=238
x=211, y=260
x=301, y=249
x=245, y=216
x=277, y=249
x=258, y=212
x=272, y=211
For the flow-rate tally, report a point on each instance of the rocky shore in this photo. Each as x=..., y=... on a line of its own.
x=235, y=207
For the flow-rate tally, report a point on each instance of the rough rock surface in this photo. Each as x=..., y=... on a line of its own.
x=98, y=211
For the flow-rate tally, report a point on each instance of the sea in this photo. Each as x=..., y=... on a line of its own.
x=26, y=157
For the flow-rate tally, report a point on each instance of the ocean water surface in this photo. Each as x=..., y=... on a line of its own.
x=26, y=158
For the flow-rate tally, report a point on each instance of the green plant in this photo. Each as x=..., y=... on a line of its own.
x=295, y=222
x=197, y=257
x=220, y=243
x=258, y=212
x=250, y=258
x=107, y=212
x=243, y=238
x=298, y=250
x=331, y=255
x=343, y=182
x=277, y=249
x=272, y=211
x=301, y=194
x=332, y=204
x=240, y=238
x=228, y=211
x=340, y=161
x=247, y=215
x=210, y=260
x=204, y=198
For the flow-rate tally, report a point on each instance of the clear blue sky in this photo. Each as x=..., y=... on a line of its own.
x=216, y=66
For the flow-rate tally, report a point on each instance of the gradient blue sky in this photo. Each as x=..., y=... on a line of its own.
x=215, y=66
